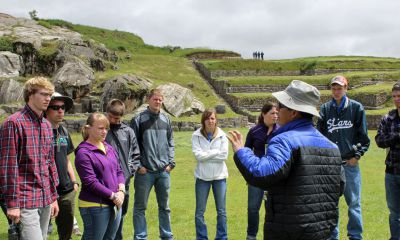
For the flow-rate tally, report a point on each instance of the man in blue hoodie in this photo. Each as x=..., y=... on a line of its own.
x=343, y=122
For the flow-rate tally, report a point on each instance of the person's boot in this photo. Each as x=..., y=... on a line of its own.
x=13, y=232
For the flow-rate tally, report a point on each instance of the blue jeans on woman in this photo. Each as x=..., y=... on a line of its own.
x=254, y=199
x=219, y=191
x=143, y=185
x=99, y=222
x=352, y=195
x=392, y=185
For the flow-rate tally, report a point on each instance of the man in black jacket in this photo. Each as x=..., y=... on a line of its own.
x=301, y=170
x=123, y=140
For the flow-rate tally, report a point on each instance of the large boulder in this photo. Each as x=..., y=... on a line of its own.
x=74, y=79
x=11, y=91
x=129, y=88
x=44, y=49
x=10, y=64
x=179, y=100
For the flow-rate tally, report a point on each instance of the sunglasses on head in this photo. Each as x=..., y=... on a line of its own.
x=56, y=107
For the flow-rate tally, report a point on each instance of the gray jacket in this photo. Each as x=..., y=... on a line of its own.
x=123, y=139
x=156, y=142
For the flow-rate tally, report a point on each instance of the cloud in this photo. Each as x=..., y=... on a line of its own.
x=282, y=29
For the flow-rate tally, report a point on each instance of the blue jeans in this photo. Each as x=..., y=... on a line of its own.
x=143, y=184
x=392, y=185
x=254, y=200
x=352, y=195
x=219, y=191
x=99, y=222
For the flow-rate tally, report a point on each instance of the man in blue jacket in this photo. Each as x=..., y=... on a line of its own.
x=301, y=170
x=154, y=134
x=343, y=122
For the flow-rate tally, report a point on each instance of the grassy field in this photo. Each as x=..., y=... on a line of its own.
x=182, y=200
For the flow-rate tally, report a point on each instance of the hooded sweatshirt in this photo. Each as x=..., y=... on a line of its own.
x=100, y=173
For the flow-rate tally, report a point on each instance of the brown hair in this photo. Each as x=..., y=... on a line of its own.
x=266, y=108
x=116, y=107
x=34, y=84
x=94, y=117
x=206, y=114
x=396, y=87
x=153, y=92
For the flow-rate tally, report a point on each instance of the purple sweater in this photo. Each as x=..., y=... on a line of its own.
x=100, y=174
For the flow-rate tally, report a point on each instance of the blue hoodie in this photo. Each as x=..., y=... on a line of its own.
x=100, y=173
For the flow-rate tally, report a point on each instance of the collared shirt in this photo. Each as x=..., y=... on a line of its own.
x=28, y=173
x=388, y=136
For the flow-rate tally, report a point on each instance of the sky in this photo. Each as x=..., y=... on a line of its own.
x=280, y=28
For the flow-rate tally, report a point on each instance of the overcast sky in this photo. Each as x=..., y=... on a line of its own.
x=279, y=28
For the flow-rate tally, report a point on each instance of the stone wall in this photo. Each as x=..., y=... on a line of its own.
x=213, y=55
x=258, y=72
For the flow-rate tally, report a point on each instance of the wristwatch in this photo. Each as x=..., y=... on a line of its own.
x=122, y=190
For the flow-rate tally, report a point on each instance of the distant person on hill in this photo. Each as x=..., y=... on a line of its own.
x=103, y=181
x=258, y=55
x=257, y=139
x=262, y=55
x=254, y=55
x=123, y=139
x=28, y=172
x=388, y=136
x=301, y=170
x=156, y=142
x=210, y=148
x=343, y=122
x=63, y=146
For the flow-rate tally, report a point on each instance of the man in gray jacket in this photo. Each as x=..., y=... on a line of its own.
x=123, y=140
x=154, y=132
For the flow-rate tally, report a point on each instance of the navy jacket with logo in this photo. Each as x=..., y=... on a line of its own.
x=346, y=128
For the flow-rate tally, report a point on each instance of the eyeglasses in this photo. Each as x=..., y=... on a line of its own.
x=56, y=107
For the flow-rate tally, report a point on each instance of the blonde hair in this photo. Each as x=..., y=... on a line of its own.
x=94, y=117
x=155, y=91
x=34, y=84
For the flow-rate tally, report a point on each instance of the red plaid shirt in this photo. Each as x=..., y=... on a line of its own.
x=28, y=174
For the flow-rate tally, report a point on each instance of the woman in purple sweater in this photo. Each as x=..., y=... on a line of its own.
x=103, y=188
x=257, y=140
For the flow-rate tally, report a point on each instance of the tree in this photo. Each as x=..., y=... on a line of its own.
x=33, y=15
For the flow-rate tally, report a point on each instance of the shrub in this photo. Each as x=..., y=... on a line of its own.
x=6, y=44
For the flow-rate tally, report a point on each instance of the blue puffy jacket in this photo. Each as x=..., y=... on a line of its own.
x=302, y=173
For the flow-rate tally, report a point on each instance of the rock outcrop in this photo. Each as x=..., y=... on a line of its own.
x=10, y=64
x=45, y=50
x=180, y=101
x=74, y=79
x=11, y=91
x=129, y=88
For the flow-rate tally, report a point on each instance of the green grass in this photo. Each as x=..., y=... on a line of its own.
x=354, y=78
x=332, y=63
x=182, y=200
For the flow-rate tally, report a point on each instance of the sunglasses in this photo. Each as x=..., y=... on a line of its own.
x=56, y=107
x=280, y=105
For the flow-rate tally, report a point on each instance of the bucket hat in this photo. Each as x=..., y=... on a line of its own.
x=300, y=96
x=67, y=100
